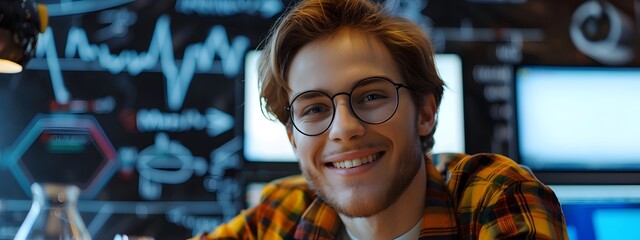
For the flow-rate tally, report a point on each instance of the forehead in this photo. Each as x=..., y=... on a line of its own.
x=337, y=62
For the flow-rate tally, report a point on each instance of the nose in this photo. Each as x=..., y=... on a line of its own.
x=346, y=126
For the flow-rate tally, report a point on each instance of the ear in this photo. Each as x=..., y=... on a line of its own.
x=426, y=115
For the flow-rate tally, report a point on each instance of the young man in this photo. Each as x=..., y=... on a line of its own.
x=358, y=92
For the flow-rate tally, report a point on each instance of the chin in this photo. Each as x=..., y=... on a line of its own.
x=362, y=205
x=356, y=201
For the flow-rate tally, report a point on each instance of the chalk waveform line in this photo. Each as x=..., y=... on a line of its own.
x=66, y=7
x=198, y=57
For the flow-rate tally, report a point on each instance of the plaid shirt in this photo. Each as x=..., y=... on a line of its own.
x=483, y=197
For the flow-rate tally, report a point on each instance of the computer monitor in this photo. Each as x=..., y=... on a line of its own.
x=578, y=118
x=600, y=212
x=266, y=141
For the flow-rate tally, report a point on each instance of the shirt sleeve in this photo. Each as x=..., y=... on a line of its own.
x=523, y=210
x=496, y=198
x=282, y=203
x=238, y=227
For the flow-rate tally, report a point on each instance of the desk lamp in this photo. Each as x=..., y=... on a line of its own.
x=21, y=21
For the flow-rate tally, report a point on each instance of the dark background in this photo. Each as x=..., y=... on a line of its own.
x=150, y=162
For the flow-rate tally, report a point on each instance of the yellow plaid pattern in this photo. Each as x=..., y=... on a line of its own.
x=482, y=196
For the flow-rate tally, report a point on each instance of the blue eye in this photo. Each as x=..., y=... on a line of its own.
x=316, y=109
x=372, y=97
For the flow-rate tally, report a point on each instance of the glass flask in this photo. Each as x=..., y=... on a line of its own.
x=53, y=214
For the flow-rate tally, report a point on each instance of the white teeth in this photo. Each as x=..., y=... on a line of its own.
x=348, y=164
x=355, y=162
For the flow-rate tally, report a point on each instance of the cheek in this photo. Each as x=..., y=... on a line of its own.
x=404, y=121
x=307, y=148
x=403, y=129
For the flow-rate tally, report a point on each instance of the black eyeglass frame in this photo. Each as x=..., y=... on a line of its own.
x=333, y=114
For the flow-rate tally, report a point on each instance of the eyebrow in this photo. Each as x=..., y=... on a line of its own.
x=310, y=94
x=326, y=91
x=371, y=82
x=297, y=94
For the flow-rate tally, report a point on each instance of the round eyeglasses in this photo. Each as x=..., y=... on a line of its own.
x=372, y=100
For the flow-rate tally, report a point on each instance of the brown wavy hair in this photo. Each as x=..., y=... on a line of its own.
x=316, y=19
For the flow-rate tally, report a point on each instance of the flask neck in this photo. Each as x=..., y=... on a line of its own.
x=53, y=214
x=55, y=195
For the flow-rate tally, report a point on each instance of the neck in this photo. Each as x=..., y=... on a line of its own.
x=396, y=220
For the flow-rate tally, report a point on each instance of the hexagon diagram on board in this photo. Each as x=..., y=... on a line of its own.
x=63, y=148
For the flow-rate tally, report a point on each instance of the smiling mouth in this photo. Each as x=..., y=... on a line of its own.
x=352, y=163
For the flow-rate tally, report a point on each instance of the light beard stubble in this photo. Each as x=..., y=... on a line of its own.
x=401, y=181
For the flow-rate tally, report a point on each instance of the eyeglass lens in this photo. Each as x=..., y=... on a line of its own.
x=372, y=100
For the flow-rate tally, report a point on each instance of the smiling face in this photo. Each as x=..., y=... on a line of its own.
x=358, y=168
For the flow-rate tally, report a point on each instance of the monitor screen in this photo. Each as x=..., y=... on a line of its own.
x=266, y=140
x=600, y=211
x=578, y=118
